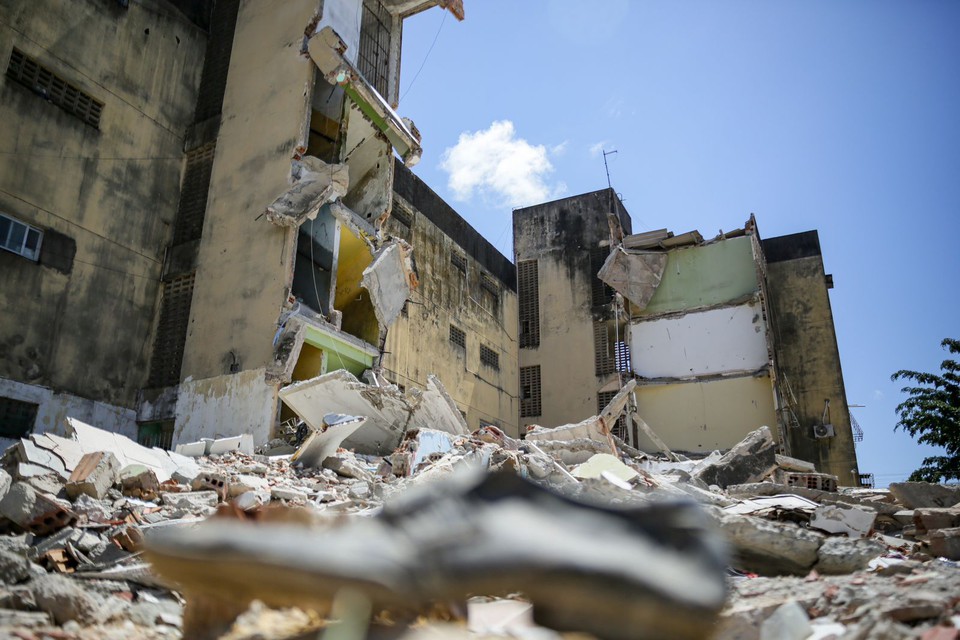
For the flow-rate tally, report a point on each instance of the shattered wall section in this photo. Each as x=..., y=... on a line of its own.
x=225, y=406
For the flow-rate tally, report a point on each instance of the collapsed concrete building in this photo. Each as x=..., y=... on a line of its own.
x=239, y=216
x=723, y=336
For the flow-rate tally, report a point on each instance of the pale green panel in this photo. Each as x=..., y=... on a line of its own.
x=705, y=276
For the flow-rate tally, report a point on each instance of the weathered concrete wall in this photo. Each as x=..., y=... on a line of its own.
x=248, y=403
x=703, y=416
x=245, y=264
x=418, y=344
x=560, y=236
x=703, y=276
x=807, y=352
x=80, y=321
x=54, y=409
x=711, y=342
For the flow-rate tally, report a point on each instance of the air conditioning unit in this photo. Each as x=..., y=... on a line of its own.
x=823, y=431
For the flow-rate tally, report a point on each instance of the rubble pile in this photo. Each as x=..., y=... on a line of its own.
x=803, y=559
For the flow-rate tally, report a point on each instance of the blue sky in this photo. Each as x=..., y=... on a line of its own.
x=838, y=116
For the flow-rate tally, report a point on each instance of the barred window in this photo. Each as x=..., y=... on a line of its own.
x=601, y=293
x=402, y=215
x=16, y=417
x=171, y=331
x=459, y=261
x=528, y=292
x=622, y=353
x=489, y=357
x=56, y=90
x=156, y=434
x=603, y=348
x=374, y=56
x=530, y=392
x=458, y=336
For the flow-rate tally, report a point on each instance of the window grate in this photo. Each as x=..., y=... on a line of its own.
x=193, y=194
x=373, y=58
x=458, y=337
x=156, y=434
x=51, y=87
x=459, y=261
x=604, y=358
x=171, y=331
x=528, y=292
x=530, y=392
x=489, y=357
x=402, y=215
x=620, y=428
x=600, y=292
x=16, y=417
x=20, y=238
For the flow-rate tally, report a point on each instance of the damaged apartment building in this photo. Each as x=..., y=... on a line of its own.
x=722, y=335
x=191, y=228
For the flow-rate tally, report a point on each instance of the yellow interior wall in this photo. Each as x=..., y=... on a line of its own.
x=353, y=300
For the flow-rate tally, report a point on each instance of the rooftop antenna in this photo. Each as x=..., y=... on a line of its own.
x=606, y=167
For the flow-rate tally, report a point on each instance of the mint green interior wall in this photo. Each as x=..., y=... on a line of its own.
x=705, y=276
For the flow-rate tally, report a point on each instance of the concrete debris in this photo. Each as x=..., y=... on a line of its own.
x=388, y=494
x=390, y=279
x=317, y=184
x=634, y=274
x=752, y=459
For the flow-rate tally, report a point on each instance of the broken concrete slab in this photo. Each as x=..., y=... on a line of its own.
x=787, y=463
x=29, y=452
x=389, y=279
x=767, y=547
x=839, y=555
x=389, y=412
x=323, y=442
x=94, y=475
x=93, y=440
x=138, y=481
x=750, y=460
x=634, y=274
x=841, y=518
x=915, y=495
x=788, y=622
x=317, y=183
x=194, y=501
x=930, y=519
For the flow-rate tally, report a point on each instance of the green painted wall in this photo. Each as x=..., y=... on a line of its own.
x=705, y=276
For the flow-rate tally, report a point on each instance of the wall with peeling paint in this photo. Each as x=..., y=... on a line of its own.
x=245, y=263
x=560, y=235
x=249, y=403
x=81, y=322
x=703, y=416
x=807, y=352
x=419, y=344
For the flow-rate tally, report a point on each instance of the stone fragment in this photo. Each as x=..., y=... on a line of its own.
x=14, y=568
x=94, y=475
x=94, y=510
x=915, y=606
x=932, y=518
x=788, y=622
x=359, y=490
x=768, y=547
x=247, y=501
x=915, y=495
x=193, y=501
x=750, y=460
x=840, y=518
x=839, y=555
x=945, y=543
x=287, y=493
x=139, y=481
x=5, y=482
x=34, y=512
x=904, y=517
x=127, y=537
x=23, y=619
x=347, y=466
x=64, y=599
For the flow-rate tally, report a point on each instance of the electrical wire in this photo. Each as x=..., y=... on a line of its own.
x=425, y=58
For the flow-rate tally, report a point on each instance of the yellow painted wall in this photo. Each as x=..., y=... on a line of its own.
x=703, y=416
x=113, y=191
x=418, y=344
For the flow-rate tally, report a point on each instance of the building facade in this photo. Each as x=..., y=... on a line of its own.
x=721, y=338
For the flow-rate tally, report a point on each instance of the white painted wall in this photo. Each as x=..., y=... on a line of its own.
x=227, y=405
x=55, y=408
x=700, y=343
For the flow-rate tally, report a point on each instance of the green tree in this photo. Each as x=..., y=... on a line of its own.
x=931, y=414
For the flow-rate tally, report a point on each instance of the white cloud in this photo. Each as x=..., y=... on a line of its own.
x=496, y=164
x=597, y=149
x=877, y=394
x=559, y=149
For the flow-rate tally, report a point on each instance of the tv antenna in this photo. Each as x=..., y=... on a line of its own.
x=606, y=167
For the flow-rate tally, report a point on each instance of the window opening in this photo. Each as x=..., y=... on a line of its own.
x=16, y=417
x=489, y=357
x=20, y=238
x=528, y=292
x=530, y=391
x=54, y=89
x=458, y=337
